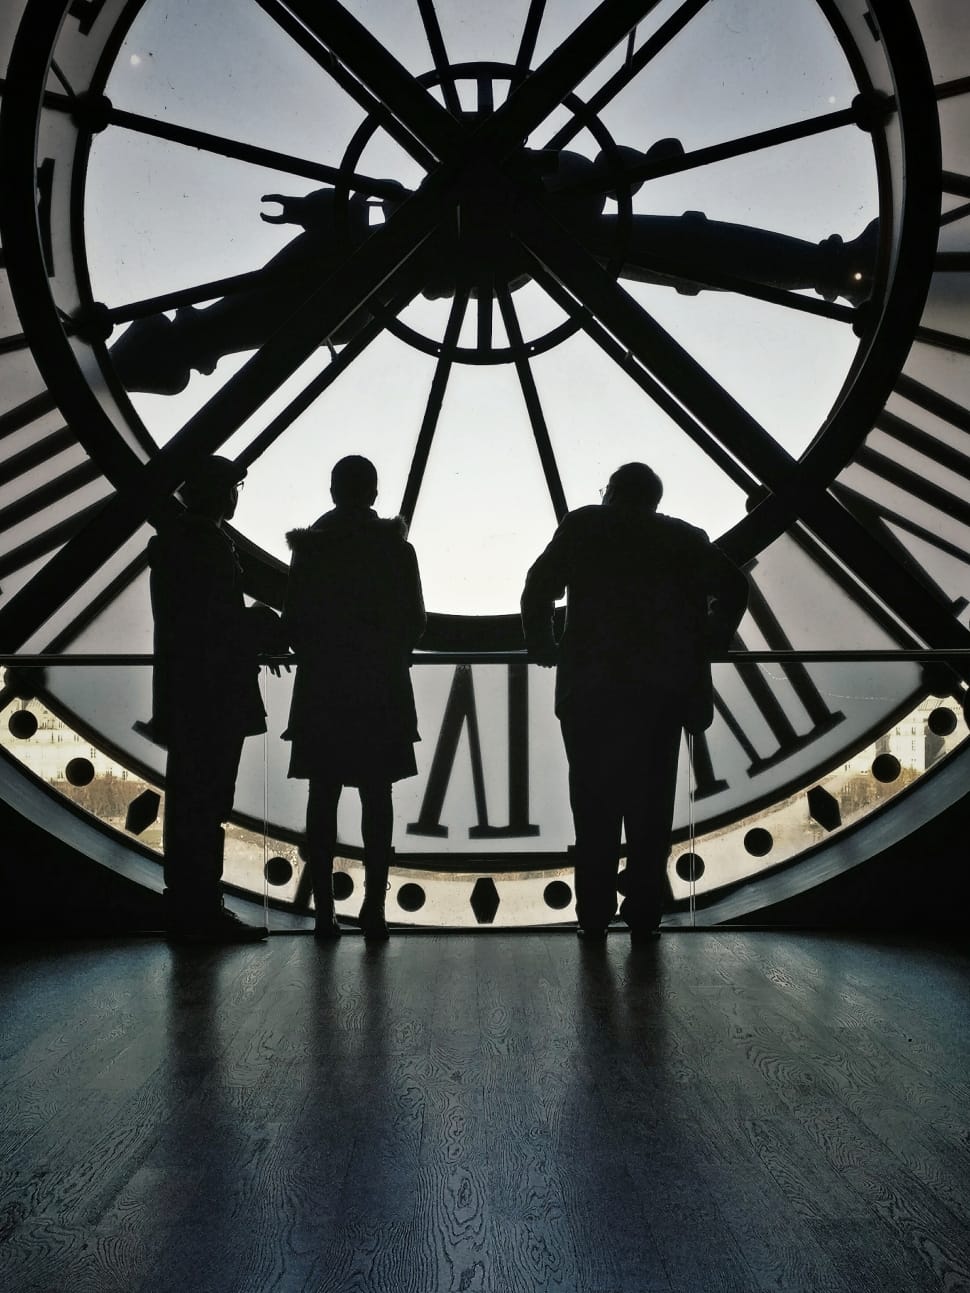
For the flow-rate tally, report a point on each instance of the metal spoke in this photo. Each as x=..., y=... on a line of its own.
x=339, y=364
x=552, y=249
x=436, y=43
x=954, y=182
x=658, y=169
x=631, y=68
x=485, y=96
x=943, y=340
x=858, y=502
x=93, y=607
x=256, y=156
x=44, y=496
x=543, y=90
x=958, y=213
x=726, y=420
x=23, y=414
x=373, y=107
x=735, y=472
x=382, y=75
x=205, y=140
x=9, y=344
x=822, y=309
x=216, y=290
x=530, y=394
x=484, y=310
x=351, y=285
x=952, y=89
x=432, y=412
x=530, y=34
x=790, y=300
x=47, y=541
x=532, y=101
x=925, y=397
x=62, y=78
x=36, y=454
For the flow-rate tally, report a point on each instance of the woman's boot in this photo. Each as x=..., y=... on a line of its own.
x=373, y=923
x=321, y=874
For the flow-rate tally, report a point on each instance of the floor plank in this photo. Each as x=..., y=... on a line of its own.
x=485, y=1114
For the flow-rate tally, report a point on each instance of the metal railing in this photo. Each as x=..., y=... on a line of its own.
x=792, y=656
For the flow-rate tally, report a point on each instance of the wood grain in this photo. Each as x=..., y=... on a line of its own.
x=486, y=1114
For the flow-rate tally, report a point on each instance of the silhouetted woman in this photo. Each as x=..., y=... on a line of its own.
x=354, y=612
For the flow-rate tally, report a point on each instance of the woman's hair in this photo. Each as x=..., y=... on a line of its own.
x=354, y=480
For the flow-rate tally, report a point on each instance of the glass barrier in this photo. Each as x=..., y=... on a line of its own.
x=801, y=751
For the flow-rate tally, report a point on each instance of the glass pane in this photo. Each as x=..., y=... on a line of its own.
x=29, y=432
x=605, y=420
x=62, y=627
x=955, y=237
x=162, y=217
x=475, y=32
x=784, y=367
x=484, y=512
x=374, y=409
x=20, y=377
x=33, y=478
x=946, y=305
x=245, y=79
x=945, y=29
x=10, y=15
x=738, y=67
x=78, y=760
x=955, y=131
x=9, y=319
x=35, y=526
x=941, y=370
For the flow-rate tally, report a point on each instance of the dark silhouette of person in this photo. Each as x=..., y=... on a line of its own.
x=205, y=696
x=354, y=612
x=649, y=601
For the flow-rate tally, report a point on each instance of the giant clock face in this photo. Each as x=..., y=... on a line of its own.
x=500, y=251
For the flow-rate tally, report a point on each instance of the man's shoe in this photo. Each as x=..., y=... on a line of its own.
x=326, y=929
x=594, y=934
x=644, y=933
x=222, y=927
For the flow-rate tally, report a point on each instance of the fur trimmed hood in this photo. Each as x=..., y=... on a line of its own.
x=343, y=523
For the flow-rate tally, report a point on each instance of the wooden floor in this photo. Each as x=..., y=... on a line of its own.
x=744, y=1111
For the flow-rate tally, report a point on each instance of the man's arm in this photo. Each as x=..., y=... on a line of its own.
x=544, y=585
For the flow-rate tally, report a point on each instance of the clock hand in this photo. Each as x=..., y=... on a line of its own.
x=688, y=252
x=157, y=354
x=691, y=252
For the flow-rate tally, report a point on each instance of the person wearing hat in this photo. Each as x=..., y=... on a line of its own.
x=205, y=695
x=650, y=600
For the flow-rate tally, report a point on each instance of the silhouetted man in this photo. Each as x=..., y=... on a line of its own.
x=649, y=600
x=206, y=697
x=353, y=614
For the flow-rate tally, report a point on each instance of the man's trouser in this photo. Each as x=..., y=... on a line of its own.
x=200, y=786
x=622, y=772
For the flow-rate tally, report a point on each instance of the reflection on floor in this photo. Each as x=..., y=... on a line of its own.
x=493, y=1112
